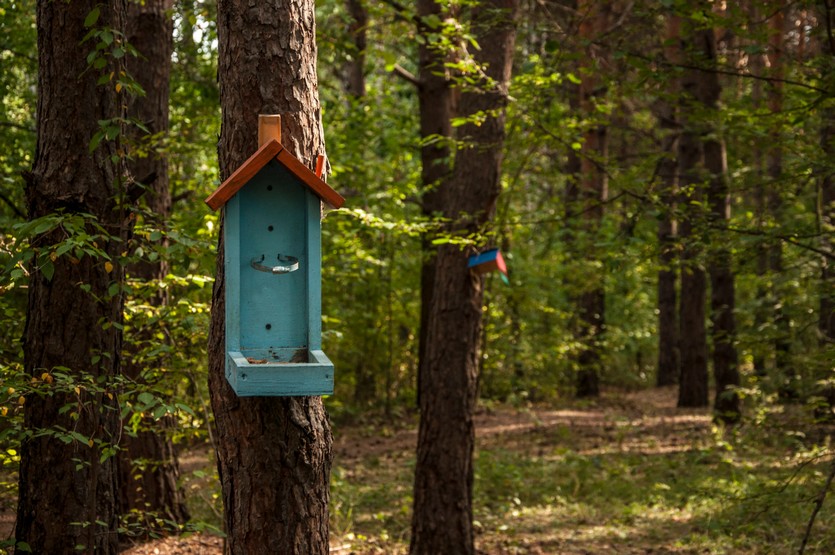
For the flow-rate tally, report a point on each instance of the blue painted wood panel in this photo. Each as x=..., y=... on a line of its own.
x=272, y=317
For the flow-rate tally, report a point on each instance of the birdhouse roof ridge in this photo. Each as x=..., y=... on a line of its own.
x=272, y=150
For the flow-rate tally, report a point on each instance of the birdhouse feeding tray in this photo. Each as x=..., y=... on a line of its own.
x=272, y=262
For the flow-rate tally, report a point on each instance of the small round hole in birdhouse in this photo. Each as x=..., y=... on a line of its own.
x=270, y=228
x=269, y=326
x=269, y=187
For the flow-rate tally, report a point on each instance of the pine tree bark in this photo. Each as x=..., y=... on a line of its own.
x=68, y=492
x=693, y=380
x=442, y=519
x=722, y=291
x=593, y=192
x=274, y=453
x=355, y=69
x=436, y=110
x=826, y=323
x=148, y=467
x=668, y=355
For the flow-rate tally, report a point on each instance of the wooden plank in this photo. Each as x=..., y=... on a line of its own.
x=322, y=189
x=281, y=379
x=269, y=127
x=320, y=165
x=243, y=174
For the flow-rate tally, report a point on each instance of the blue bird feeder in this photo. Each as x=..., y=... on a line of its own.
x=272, y=259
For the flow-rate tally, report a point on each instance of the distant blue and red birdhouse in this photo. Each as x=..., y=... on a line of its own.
x=490, y=260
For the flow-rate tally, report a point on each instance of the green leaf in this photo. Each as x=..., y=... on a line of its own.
x=92, y=17
x=48, y=270
x=146, y=398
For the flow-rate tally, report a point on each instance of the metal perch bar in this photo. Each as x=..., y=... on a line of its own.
x=286, y=265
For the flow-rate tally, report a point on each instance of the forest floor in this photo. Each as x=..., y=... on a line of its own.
x=626, y=474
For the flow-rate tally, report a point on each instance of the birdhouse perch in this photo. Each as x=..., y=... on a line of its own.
x=272, y=260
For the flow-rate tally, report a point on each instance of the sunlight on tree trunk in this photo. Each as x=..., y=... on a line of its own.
x=274, y=453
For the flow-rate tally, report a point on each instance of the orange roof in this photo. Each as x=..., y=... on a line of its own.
x=272, y=150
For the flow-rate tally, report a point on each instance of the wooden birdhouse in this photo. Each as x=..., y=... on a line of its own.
x=272, y=259
x=490, y=260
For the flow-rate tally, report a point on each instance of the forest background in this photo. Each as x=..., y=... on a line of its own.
x=604, y=227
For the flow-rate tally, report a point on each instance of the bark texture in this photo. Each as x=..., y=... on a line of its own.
x=442, y=519
x=436, y=110
x=148, y=465
x=274, y=454
x=693, y=386
x=827, y=198
x=355, y=68
x=722, y=291
x=668, y=355
x=593, y=192
x=65, y=485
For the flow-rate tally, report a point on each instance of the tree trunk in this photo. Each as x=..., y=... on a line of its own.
x=148, y=466
x=693, y=381
x=436, y=107
x=826, y=323
x=668, y=355
x=442, y=519
x=274, y=453
x=68, y=483
x=722, y=295
x=769, y=207
x=355, y=69
x=722, y=291
x=593, y=191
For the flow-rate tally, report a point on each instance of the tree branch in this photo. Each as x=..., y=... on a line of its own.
x=731, y=73
x=407, y=75
x=17, y=126
x=818, y=504
x=12, y=205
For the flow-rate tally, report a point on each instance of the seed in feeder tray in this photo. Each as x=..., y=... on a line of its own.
x=256, y=360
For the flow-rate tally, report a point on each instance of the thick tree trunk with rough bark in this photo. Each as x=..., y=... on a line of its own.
x=442, y=520
x=274, y=453
x=148, y=465
x=68, y=495
x=436, y=110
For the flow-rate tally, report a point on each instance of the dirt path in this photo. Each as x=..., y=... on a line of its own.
x=644, y=422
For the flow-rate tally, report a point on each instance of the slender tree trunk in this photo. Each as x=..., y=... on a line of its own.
x=773, y=199
x=274, y=453
x=826, y=323
x=722, y=291
x=68, y=491
x=355, y=69
x=442, y=520
x=722, y=295
x=148, y=465
x=693, y=381
x=593, y=192
x=668, y=355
